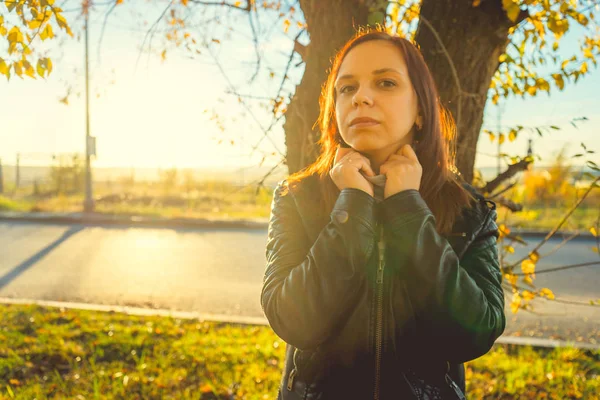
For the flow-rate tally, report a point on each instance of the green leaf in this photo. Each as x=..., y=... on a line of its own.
x=538, y=130
x=376, y=17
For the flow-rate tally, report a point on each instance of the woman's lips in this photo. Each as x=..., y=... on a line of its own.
x=364, y=124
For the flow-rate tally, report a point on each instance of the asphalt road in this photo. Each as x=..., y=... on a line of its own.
x=220, y=271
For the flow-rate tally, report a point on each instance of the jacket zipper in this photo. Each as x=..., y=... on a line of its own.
x=379, y=315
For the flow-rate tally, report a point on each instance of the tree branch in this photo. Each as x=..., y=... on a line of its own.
x=150, y=30
x=224, y=4
x=103, y=27
x=511, y=205
x=255, y=37
x=557, y=227
x=510, y=172
x=543, y=271
x=287, y=68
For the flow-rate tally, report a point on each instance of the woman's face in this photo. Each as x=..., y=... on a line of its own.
x=376, y=105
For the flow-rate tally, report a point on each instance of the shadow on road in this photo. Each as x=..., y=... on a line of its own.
x=31, y=261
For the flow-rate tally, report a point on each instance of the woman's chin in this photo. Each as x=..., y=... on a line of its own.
x=364, y=145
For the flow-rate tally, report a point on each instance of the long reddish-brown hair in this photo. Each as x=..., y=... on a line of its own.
x=441, y=187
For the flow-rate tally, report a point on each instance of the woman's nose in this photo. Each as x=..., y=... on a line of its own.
x=362, y=97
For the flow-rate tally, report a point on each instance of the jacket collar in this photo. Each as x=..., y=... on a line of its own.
x=472, y=223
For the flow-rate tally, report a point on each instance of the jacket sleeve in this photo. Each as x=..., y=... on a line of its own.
x=458, y=305
x=308, y=287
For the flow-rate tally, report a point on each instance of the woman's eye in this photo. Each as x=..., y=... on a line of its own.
x=386, y=83
x=345, y=89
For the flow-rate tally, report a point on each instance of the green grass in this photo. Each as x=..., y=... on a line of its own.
x=7, y=204
x=49, y=353
x=547, y=217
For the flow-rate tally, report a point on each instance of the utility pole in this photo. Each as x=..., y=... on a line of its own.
x=88, y=205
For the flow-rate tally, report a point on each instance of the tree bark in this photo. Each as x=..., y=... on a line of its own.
x=473, y=38
x=330, y=24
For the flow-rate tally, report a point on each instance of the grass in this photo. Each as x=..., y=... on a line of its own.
x=223, y=200
x=7, y=204
x=50, y=353
x=547, y=217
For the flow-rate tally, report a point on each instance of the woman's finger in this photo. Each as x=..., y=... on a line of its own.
x=365, y=165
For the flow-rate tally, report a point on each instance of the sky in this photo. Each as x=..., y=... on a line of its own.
x=154, y=114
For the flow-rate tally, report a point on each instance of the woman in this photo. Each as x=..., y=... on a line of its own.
x=382, y=270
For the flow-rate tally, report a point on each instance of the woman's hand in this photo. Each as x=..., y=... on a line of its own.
x=403, y=171
x=345, y=172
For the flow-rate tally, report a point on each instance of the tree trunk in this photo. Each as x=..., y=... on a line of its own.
x=473, y=38
x=330, y=24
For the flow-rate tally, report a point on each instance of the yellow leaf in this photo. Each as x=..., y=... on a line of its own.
x=527, y=279
x=62, y=22
x=512, y=9
x=15, y=35
x=3, y=67
x=515, y=303
x=592, y=229
x=510, y=249
x=547, y=293
x=534, y=256
x=184, y=2
x=501, y=138
x=532, y=90
x=527, y=295
x=237, y=3
x=512, y=135
x=584, y=67
x=119, y=1
x=18, y=68
x=528, y=267
x=476, y=3
x=47, y=33
x=34, y=23
x=163, y=55
x=29, y=71
x=495, y=98
x=49, y=65
x=492, y=136
x=542, y=84
x=206, y=388
x=512, y=278
x=286, y=25
x=40, y=68
x=558, y=80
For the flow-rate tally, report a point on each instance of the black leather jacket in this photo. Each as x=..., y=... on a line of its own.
x=372, y=289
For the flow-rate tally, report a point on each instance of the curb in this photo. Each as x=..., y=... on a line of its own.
x=117, y=220
x=234, y=319
x=159, y=222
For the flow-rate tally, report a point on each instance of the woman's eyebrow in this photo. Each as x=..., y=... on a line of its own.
x=375, y=72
